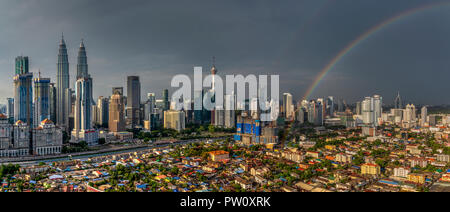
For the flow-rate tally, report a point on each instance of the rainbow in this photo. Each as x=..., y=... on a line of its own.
x=363, y=37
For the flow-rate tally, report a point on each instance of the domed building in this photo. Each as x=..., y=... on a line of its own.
x=47, y=139
x=21, y=144
x=5, y=135
x=15, y=139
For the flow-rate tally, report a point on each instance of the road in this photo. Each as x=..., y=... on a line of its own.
x=112, y=152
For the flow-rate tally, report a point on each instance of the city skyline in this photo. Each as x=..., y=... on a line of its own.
x=382, y=63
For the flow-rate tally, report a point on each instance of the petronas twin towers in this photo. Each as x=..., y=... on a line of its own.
x=82, y=129
x=62, y=86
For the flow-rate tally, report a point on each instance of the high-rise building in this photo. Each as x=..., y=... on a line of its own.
x=288, y=106
x=214, y=71
x=230, y=112
x=133, y=101
x=219, y=117
x=70, y=108
x=398, y=102
x=423, y=115
x=409, y=113
x=174, y=120
x=340, y=105
x=150, y=106
x=311, y=111
x=52, y=102
x=41, y=100
x=198, y=112
x=368, y=113
x=319, y=113
x=301, y=115
x=378, y=108
x=165, y=96
x=371, y=110
x=62, y=84
x=358, y=108
x=329, y=107
x=83, y=129
x=10, y=110
x=116, y=112
x=103, y=111
x=23, y=91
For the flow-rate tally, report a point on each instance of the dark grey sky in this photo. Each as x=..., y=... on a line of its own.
x=292, y=38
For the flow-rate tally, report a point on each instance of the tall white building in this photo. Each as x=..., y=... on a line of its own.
x=409, y=113
x=372, y=110
x=423, y=115
x=378, y=108
x=288, y=105
x=368, y=113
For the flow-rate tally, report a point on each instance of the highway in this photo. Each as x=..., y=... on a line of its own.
x=112, y=152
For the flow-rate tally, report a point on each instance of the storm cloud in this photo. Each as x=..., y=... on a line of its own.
x=293, y=38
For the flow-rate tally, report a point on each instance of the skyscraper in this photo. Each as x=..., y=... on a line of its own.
x=230, y=114
x=288, y=106
x=340, y=105
x=409, y=113
x=398, y=102
x=41, y=100
x=358, y=108
x=62, y=84
x=150, y=106
x=423, y=115
x=319, y=115
x=213, y=90
x=116, y=112
x=378, y=108
x=52, y=102
x=103, y=111
x=330, y=106
x=23, y=91
x=133, y=101
x=83, y=129
x=166, y=99
x=174, y=120
x=368, y=113
x=312, y=112
x=10, y=109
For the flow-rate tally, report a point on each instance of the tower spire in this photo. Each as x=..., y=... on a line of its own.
x=62, y=42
